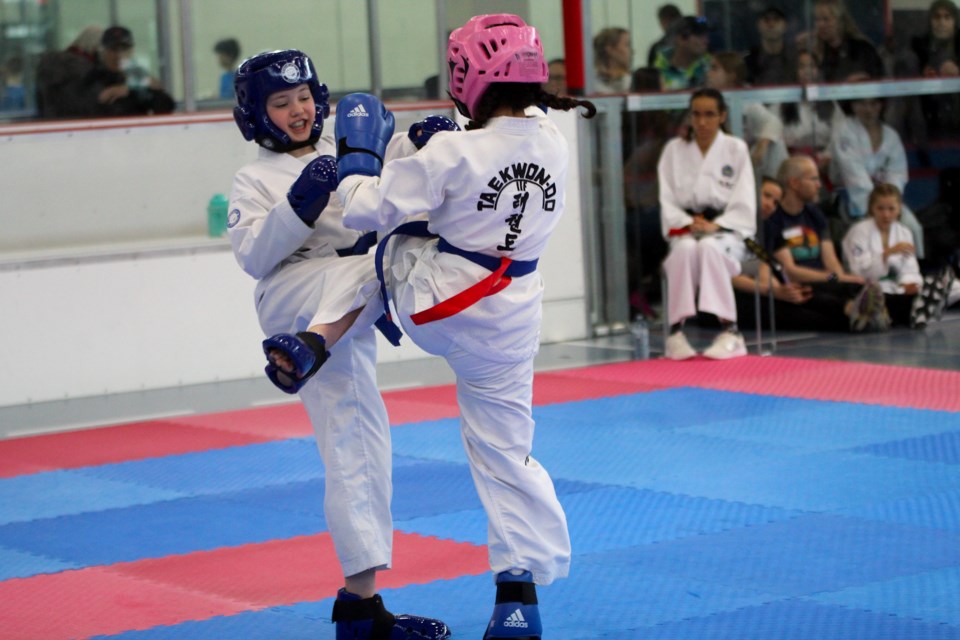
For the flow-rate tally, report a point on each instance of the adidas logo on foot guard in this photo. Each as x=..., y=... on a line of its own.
x=358, y=112
x=515, y=620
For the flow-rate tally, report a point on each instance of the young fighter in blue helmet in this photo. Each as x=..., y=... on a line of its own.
x=312, y=270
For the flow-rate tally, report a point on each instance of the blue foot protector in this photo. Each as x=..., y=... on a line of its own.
x=366, y=619
x=306, y=350
x=516, y=614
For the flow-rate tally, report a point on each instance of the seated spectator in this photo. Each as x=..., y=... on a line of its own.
x=612, y=60
x=773, y=61
x=228, y=57
x=865, y=152
x=557, y=77
x=108, y=90
x=667, y=16
x=683, y=65
x=708, y=205
x=795, y=306
x=938, y=56
x=839, y=46
x=881, y=249
x=796, y=237
x=61, y=73
x=12, y=94
x=762, y=130
x=808, y=126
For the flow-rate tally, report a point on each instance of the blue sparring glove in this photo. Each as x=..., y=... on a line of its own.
x=311, y=191
x=363, y=129
x=421, y=132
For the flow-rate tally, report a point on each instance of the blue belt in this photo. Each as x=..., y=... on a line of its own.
x=361, y=246
x=418, y=228
x=516, y=269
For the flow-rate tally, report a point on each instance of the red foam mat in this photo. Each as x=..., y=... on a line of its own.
x=112, y=444
x=198, y=586
x=250, y=572
x=275, y=422
x=551, y=388
x=86, y=602
x=883, y=385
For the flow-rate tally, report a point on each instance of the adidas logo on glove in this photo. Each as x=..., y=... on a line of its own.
x=358, y=112
x=516, y=620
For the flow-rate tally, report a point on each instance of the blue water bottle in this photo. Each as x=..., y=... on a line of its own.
x=641, y=338
x=217, y=215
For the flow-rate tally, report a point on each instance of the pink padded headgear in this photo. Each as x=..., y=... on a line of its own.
x=492, y=48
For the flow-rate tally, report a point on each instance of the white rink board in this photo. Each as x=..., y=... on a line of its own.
x=120, y=319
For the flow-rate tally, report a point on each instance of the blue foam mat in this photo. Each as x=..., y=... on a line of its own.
x=694, y=514
x=805, y=555
x=931, y=596
x=220, y=470
x=55, y=493
x=268, y=624
x=939, y=510
x=19, y=564
x=155, y=530
x=792, y=620
x=614, y=518
x=813, y=426
x=936, y=447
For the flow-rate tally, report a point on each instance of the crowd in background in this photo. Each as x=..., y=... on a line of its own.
x=911, y=143
x=854, y=152
x=98, y=74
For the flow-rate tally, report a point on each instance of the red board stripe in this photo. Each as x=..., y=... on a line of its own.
x=198, y=586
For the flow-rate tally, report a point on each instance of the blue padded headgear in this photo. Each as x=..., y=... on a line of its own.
x=264, y=74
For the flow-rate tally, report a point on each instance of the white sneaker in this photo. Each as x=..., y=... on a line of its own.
x=727, y=344
x=678, y=348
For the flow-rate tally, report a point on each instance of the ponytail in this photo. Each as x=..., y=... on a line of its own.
x=519, y=96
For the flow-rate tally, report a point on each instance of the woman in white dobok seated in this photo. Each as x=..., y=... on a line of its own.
x=708, y=205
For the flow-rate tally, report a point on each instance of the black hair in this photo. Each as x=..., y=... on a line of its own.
x=519, y=96
x=945, y=5
x=669, y=12
x=229, y=47
x=708, y=92
x=770, y=180
x=645, y=79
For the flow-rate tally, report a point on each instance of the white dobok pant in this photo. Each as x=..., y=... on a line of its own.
x=527, y=528
x=349, y=422
x=699, y=275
